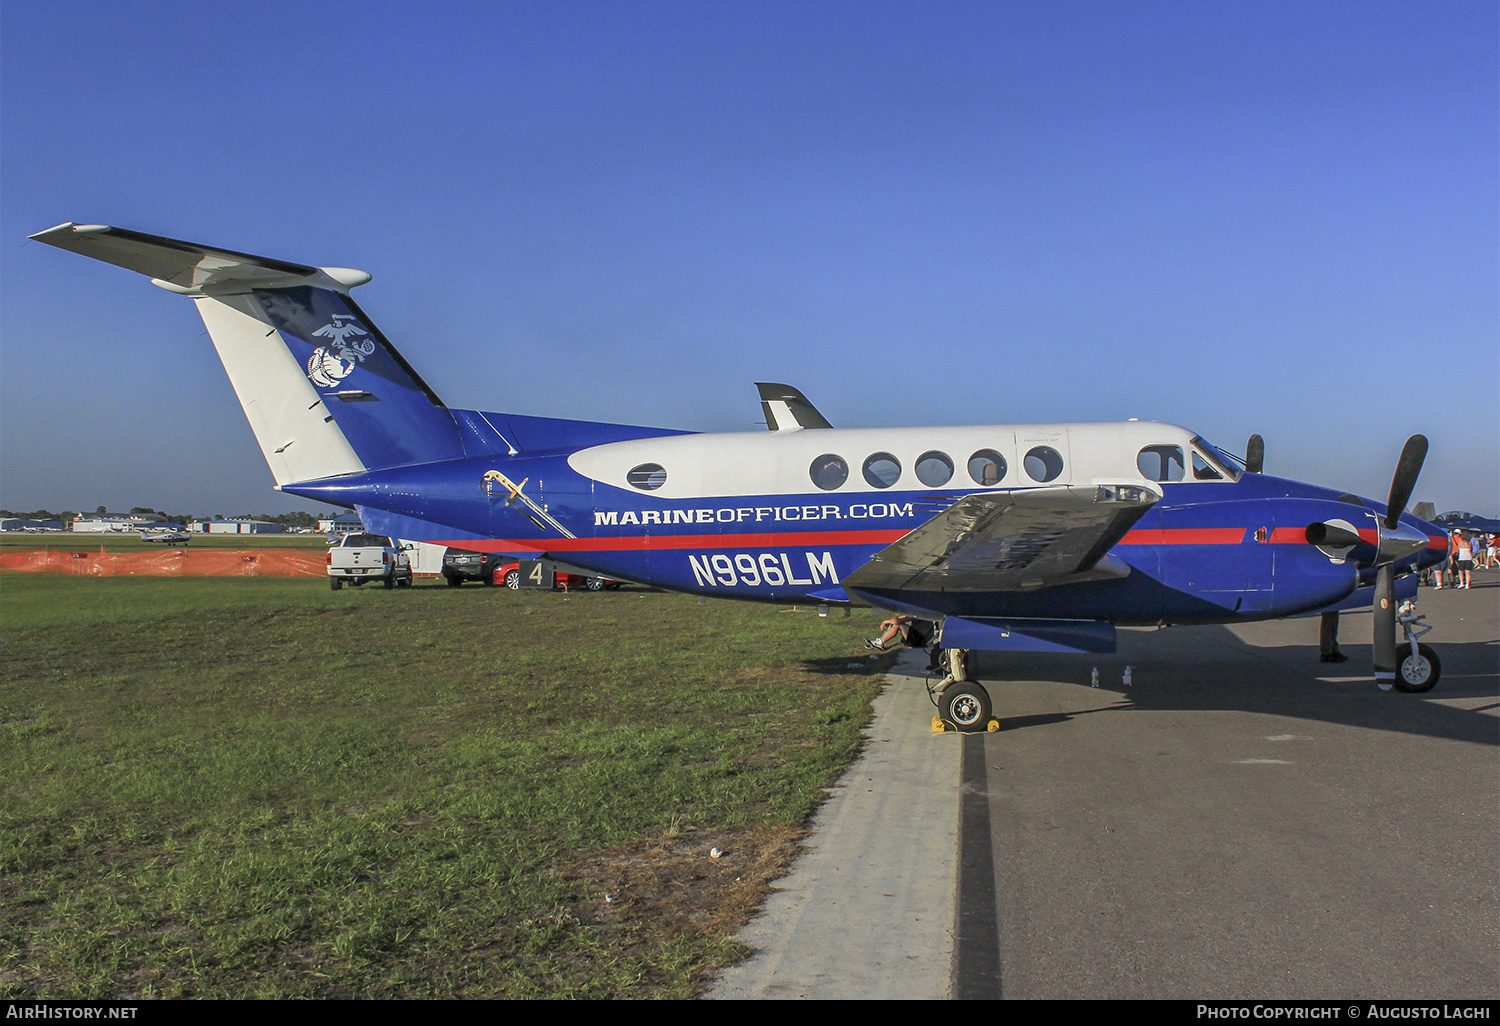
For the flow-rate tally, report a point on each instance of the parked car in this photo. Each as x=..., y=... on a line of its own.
x=510, y=573
x=461, y=565
x=360, y=557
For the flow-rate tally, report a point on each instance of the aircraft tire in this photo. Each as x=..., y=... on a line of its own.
x=1415, y=676
x=513, y=580
x=335, y=583
x=966, y=705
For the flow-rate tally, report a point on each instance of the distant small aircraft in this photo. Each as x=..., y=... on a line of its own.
x=166, y=534
x=1461, y=521
x=1007, y=537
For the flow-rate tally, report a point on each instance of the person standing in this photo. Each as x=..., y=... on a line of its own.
x=1463, y=559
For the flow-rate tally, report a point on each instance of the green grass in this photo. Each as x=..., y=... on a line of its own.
x=258, y=787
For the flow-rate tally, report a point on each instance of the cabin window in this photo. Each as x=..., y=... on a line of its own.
x=1204, y=470
x=648, y=477
x=882, y=470
x=987, y=467
x=1044, y=464
x=829, y=471
x=1160, y=463
x=934, y=469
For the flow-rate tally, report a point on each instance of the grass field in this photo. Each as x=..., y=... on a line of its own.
x=258, y=787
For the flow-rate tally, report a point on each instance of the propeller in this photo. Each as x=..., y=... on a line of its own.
x=1405, y=480
x=1255, y=454
x=1396, y=540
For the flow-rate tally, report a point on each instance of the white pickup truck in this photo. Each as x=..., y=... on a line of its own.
x=358, y=558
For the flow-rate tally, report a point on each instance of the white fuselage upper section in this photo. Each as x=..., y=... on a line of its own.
x=942, y=459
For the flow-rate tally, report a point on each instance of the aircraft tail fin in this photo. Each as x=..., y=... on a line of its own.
x=325, y=392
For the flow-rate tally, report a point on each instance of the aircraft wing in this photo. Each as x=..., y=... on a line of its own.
x=1009, y=541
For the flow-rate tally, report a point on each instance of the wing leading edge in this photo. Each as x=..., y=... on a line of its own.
x=1009, y=541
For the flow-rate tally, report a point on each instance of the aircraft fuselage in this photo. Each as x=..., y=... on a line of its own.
x=748, y=516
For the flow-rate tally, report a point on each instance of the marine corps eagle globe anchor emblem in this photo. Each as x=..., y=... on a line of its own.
x=330, y=364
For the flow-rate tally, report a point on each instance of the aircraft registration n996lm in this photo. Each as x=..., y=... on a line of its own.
x=1009, y=537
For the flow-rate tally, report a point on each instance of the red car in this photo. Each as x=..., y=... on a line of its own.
x=510, y=573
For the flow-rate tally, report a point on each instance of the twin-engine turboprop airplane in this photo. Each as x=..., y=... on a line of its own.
x=1006, y=537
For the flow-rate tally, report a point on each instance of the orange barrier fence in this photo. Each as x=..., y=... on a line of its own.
x=169, y=563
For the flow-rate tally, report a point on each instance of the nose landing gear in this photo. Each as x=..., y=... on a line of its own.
x=1419, y=667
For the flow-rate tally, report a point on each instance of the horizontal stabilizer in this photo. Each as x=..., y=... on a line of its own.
x=190, y=268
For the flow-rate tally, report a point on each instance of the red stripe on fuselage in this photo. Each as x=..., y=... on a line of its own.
x=1185, y=536
x=642, y=543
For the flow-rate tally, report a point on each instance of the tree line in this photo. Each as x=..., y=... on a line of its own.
x=297, y=518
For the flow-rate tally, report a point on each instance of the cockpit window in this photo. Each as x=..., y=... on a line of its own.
x=1161, y=463
x=1204, y=470
x=1217, y=464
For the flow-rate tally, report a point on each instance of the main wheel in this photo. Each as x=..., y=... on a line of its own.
x=453, y=580
x=513, y=580
x=1418, y=673
x=335, y=583
x=594, y=584
x=966, y=705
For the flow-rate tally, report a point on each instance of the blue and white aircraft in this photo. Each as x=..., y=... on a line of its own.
x=1010, y=537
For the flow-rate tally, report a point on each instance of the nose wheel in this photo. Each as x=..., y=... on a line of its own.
x=1418, y=671
x=1418, y=667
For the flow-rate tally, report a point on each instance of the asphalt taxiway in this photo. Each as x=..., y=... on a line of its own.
x=1241, y=821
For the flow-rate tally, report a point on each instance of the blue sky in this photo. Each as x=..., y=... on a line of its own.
x=1238, y=217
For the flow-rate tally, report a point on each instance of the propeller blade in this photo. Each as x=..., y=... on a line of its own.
x=1385, y=623
x=1255, y=454
x=1406, y=478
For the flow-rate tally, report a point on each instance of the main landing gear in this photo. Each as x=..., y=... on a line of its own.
x=963, y=705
